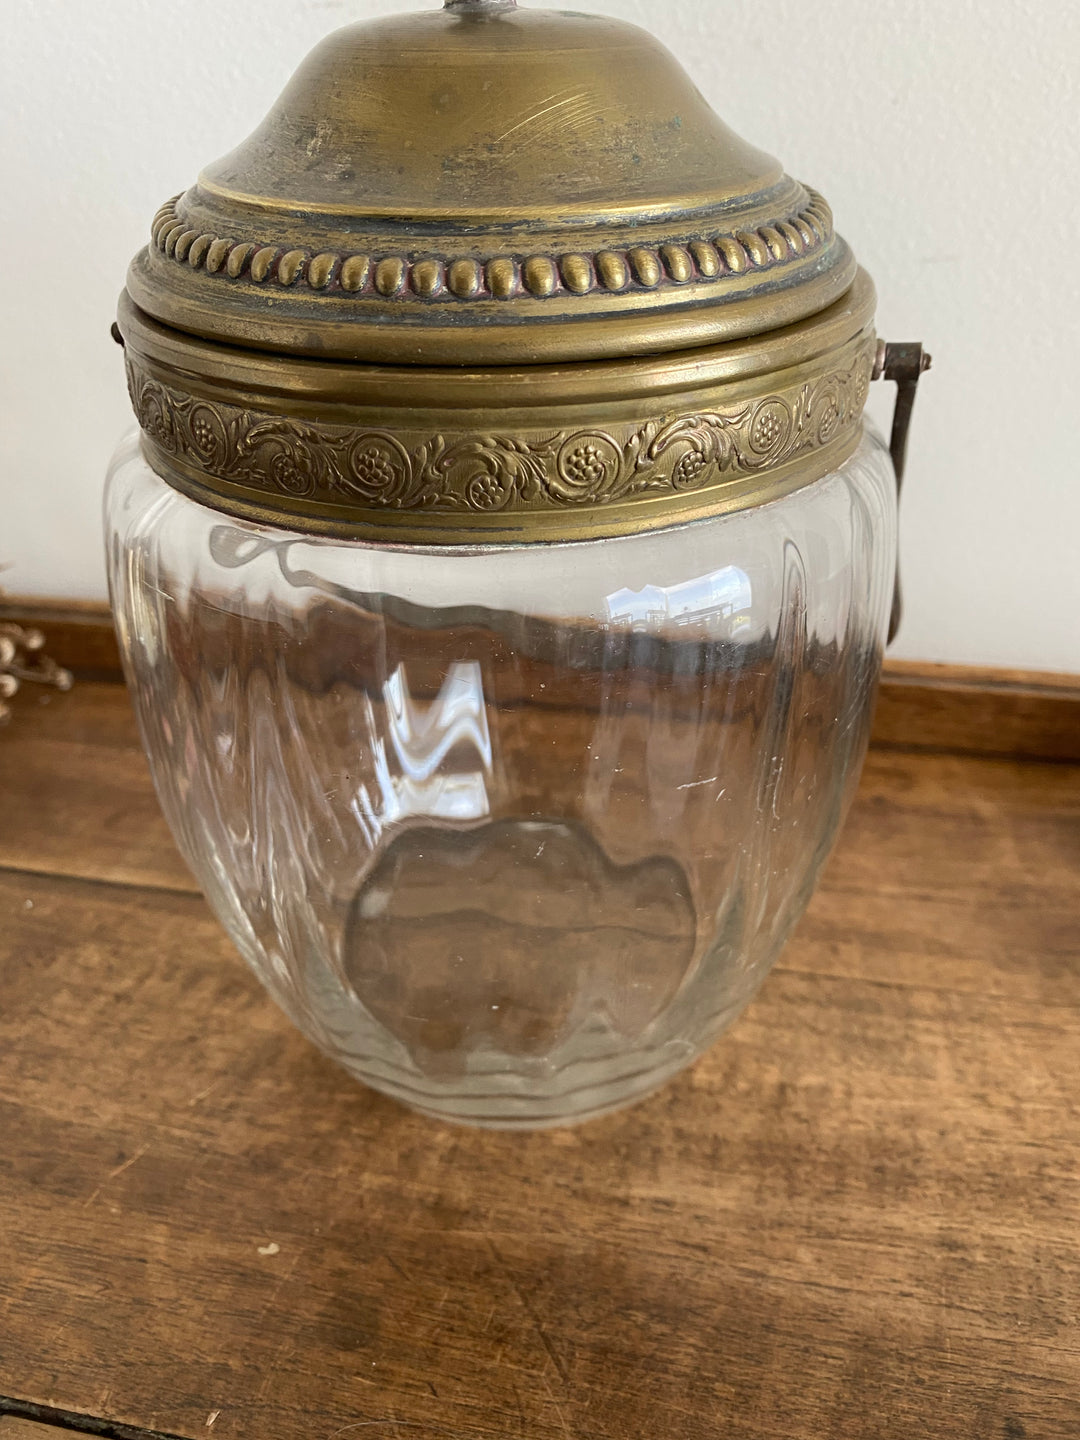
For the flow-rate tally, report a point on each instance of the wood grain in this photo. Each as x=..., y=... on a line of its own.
x=966, y=709
x=77, y=795
x=857, y=1218
x=14, y=1427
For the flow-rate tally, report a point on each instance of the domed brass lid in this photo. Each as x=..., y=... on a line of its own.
x=487, y=184
x=360, y=321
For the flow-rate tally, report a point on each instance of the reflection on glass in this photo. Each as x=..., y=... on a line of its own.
x=422, y=737
x=723, y=594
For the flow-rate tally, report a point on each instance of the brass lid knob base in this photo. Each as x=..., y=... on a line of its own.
x=479, y=5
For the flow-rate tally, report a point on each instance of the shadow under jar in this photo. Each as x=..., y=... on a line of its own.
x=505, y=715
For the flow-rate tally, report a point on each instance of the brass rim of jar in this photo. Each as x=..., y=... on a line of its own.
x=504, y=454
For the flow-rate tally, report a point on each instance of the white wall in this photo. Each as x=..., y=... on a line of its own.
x=945, y=134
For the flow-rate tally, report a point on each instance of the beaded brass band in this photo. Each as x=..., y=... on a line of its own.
x=806, y=228
x=642, y=289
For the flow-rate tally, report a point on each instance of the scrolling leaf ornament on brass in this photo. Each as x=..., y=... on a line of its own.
x=491, y=472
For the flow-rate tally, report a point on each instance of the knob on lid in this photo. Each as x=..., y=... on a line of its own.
x=490, y=185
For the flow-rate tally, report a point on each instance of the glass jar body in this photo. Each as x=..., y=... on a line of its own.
x=512, y=833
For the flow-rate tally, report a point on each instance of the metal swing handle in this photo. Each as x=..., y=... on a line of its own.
x=903, y=362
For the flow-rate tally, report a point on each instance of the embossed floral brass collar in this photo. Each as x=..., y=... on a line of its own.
x=361, y=321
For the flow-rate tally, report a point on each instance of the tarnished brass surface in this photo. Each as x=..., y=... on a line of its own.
x=534, y=453
x=490, y=274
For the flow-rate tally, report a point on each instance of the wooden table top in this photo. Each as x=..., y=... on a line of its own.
x=858, y=1216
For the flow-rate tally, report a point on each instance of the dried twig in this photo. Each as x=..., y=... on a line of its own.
x=22, y=657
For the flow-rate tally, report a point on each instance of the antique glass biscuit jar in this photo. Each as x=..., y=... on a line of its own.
x=501, y=564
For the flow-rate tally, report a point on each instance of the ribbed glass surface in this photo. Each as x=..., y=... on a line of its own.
x=510, y=833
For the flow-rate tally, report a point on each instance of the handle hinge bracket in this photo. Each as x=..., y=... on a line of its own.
x=903, y=363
